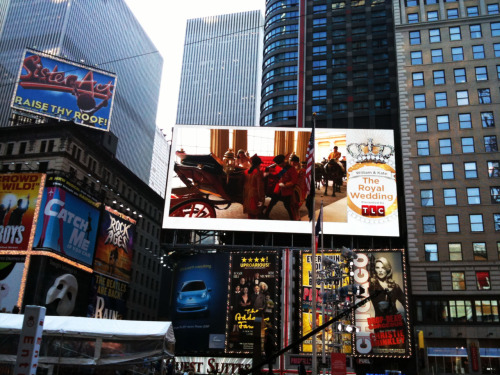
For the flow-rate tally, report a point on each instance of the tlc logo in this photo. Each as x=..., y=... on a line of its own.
x=372, y=210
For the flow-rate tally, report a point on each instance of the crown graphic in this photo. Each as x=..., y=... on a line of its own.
x=370, y=152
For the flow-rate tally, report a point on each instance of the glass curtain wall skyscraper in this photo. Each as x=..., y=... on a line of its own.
x=220, y=79
x=99, y=33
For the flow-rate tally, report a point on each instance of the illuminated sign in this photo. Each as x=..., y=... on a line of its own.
x=57, y=88
x=108, y=298
x=212, y=168
x=212, y=365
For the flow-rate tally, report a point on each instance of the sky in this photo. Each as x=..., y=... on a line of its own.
x=165, y=23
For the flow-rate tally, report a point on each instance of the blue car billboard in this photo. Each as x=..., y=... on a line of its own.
x=54, y=87
x=67, y=225
x=200, y=302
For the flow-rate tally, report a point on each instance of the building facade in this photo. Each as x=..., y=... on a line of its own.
x=221, y=70
x=104, y=34
x=448, y=71
x=83, y=160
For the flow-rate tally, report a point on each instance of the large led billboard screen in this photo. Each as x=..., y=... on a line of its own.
x=384, y=321
x=20, y=194
x=224, y=178
x=57, y=88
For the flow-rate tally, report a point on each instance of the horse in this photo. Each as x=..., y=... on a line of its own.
x=319, y=172
x=333, y=171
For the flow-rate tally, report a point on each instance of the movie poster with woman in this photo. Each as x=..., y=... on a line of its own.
x=384, y=321
x=253, y=301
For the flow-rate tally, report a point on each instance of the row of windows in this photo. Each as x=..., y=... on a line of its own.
x=281, y=71
x=355, y=59
x=282, y=43
x=280, y=116
x=458, y=280
x=359, y=75
x=342, y=33
x=282, y=30
x=455, y=33
x=464, y=120
x=281, y=57
x=459, y=76
x=455, y=251
x=467, y=143
x=456, y=54
x=379, y=104
x=283, y=4
x=450, y=198
x=280, y=86
x=342, y=19
x=356, y=3
x=285, y=16
x=452, y=222
x=448, y=173
x=462, y=98
x=452, y=13
x=453, y=311
x=280, y=100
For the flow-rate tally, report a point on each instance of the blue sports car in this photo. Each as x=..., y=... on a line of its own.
x=193, y=297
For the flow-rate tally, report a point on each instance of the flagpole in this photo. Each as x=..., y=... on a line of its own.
x=323, y=353
x=313, y=246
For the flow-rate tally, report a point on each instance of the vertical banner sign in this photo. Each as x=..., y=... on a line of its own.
x=28, y=350
x=384, y=321
x=114, y=245
x=19, y=195
x=253, y=292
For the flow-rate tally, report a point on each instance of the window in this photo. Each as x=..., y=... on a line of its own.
x=339, y=47
x=438, y=76
x=420, y=124
x=433, y=281
x=424, y=172
x=490, y=143
x=472, y=11
x=481, y=73
x=319, y=22
x=455, y=33
x=415, y=37
x=495, y=29
x=412, y=17
x=418, y=79
x=452, y=13
x=487, y=120
x=338, y=5
x=321, y=35
x=339, y=62
x=339, y=107
x=427, y=198
x=416, y=57
x=445, y=146
x=496, y=222
x=339, y=92
x=496, y=49
x=455, y=251
x=318, y=94
x=319, y=109
x=479, y=248
x=429, y=226
x=432, y=15
x=498, y=71
x=441, y=99
x=431, y=252
x=495, y=194
x=437, y=55
x=434, y=35
x=319, y=8
x=465, y=121
x=447, y=171
x=473, y=196
x=470, y=168
x=423, y=148
x=319, y=64
x=467, y=145
x=476, y=224
x=419, y=101
x=457, y=53
x=319, y=50
x=452, y=224
x=460, y=76
x=493, y=9
x=458, y=280
x=338, y=33
x=462, y=97
x=484, y=96
x=319, y=79
x=483, y=283
x=443, y=122
x=411, y=3
x=475, y=31
x=450, y=197
x=494, y=168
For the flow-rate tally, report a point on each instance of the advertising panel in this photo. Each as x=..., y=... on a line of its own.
x=11, y=273
x=212, y=365
x=67, y=225
x=115, y=242
x=108, y=298
x=384, y=321
x=253, y=293
x=60, y=287
x=19, y=195
x=57, y=88
x=307, y=296
x=258, y=175
x=200, y=302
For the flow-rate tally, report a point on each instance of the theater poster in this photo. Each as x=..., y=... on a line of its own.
x=108, y=298
x=58, y=88
x=114, y=251
x=11, y=273
x=67, y=225
x=384, y=321
x=20, y=194
x=253, y=293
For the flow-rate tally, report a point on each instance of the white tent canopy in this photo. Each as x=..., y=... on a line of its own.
x=105, y=341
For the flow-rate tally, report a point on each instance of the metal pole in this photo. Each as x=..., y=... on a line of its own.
x=323, y=353
x=314, y=282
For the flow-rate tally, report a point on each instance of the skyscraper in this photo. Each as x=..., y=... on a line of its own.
x=104, y=34
x=221, y=70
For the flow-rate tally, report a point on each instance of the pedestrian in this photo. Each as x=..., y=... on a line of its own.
x=302, y=368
